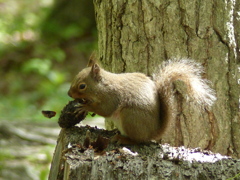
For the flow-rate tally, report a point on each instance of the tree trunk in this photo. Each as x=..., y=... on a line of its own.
x=139, y=35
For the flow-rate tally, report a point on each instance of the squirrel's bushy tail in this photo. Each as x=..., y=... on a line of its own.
x=189, y=72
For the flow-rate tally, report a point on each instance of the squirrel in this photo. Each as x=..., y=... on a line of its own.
x=139, y=106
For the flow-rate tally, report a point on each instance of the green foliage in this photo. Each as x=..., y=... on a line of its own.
x=20, y=19
x=40, y=41
x=39, y=66
x=77, y=18
x=235, y=177
x=28, y=106
x=5, y=155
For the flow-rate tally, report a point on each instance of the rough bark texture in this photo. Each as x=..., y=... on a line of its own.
x=138, y=35
x=151, y=161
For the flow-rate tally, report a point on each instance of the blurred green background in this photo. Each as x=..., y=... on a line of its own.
x=43, y=44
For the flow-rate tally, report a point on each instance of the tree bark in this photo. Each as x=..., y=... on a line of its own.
x=139, y=35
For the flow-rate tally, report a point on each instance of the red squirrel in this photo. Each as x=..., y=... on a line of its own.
x=139, y=106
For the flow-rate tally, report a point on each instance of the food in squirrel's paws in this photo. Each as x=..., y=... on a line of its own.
x=72, y=114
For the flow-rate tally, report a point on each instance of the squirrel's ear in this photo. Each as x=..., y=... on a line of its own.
x=95, y=71
x=90, y=63
x=92, y=59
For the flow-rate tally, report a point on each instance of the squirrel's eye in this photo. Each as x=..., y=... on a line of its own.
x=82, y=86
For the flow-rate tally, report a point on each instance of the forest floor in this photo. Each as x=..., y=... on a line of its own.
x=26, y=148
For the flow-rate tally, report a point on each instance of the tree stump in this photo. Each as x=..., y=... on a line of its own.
x=87, y=153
